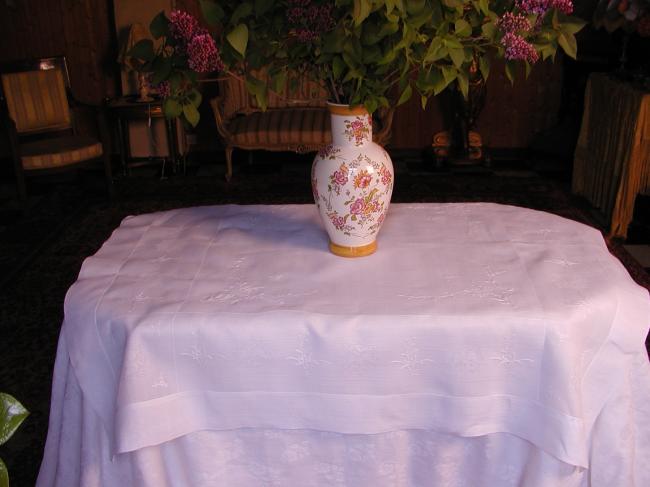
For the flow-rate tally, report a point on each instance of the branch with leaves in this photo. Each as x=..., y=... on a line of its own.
x=375, y=53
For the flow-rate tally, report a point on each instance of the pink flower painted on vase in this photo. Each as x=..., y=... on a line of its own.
x=386, y=176
x=337, y=221
x=328, y=152
x=340, y=177
x=357, y=130
x=358, y=207
x=362, y=180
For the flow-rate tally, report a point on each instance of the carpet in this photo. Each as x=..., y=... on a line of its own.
x=43, y=252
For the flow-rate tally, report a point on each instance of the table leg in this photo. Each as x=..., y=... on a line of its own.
x=122, y=144
x=171, y=143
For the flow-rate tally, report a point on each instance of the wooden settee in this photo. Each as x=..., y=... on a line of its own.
x=296, y=119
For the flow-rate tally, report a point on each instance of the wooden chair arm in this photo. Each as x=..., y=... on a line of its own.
x=220, y=120
x=9, y=126
x=386, y=116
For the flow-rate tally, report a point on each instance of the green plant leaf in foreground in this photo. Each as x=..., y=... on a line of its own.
x=12, y=414
x=4, y=475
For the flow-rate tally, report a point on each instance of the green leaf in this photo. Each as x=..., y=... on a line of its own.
x=463, y=84
x=159, y=26
x=489, y=30
x=243, y=10
x=414, y=7
x=334, y=41
x=162, y=68
x=572, y=26
x=511, y=71
x=4, y=474
x=238, y=39
x=462, y=28
x=262, y=6
x=12, y=414
x=172, y=108
x=258, y=89
x=449, y=73
x=142, y=50
x=452, y=43
x=338, y=66
x=191, y=114
x=483, y=5
x=406, y=95
x=361, y=11
x=484, y=66
x=371, y=105
x=528, y=69
x=195, y=97
x=457, y=56
x=423, y=101
x=279, y=80
x=568, y=43
x=438, y=81
x=212, y=12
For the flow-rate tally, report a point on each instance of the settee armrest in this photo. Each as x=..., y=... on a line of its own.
x=220, y=120
x=385, y=115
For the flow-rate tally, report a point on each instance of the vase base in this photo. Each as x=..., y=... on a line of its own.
x=346, y=251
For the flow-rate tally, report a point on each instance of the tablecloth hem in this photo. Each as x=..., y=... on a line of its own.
x=143, y=424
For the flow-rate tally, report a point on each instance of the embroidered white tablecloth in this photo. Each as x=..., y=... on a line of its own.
x=470, y=320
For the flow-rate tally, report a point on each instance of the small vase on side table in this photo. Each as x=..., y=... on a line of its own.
x=352, y=181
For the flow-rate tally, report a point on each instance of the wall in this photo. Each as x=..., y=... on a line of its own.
x=512, y=115
x=81, y=29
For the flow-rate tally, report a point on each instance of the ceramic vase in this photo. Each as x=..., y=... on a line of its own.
x=352, y=181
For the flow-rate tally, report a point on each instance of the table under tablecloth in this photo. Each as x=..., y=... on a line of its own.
x=470, y=320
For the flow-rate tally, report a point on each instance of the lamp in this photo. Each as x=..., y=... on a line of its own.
x=137, y=32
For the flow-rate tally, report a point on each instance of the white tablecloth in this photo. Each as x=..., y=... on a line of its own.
x=480, y=342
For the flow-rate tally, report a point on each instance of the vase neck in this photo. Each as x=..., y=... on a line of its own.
x=350, y=125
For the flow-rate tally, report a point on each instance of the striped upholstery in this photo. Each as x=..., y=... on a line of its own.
x=299, y=91
x=59, y=152
x=282, y=127
x=37, y=100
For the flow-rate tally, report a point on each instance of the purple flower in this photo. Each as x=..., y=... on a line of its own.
x=518, y=49
x=203, y=54
x=164, y=89
x=309, y=21
x=540, y=7
x=182, y=25
x=564, y=6
x=510, y=22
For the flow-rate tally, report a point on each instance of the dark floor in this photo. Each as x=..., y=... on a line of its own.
x=41, y=250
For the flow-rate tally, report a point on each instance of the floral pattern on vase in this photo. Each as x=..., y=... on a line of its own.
x=359, y=129
x=352, y=182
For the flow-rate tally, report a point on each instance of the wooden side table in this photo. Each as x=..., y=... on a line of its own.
x=612, y=158
x=128, y=108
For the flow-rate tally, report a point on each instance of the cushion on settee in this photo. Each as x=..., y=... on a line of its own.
x=285, y=126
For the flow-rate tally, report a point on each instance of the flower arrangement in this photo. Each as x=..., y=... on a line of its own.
x=375, y=53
